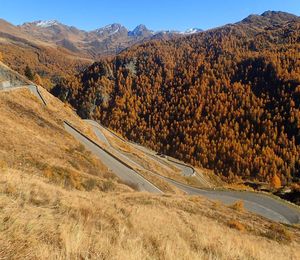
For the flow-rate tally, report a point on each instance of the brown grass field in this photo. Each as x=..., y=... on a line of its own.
x=57, y=201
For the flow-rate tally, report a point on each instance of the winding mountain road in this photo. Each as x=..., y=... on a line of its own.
x=185, y=169
x=123, y=171
x=261, y=204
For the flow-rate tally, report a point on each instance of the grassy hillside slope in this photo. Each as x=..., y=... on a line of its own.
x=59, y=202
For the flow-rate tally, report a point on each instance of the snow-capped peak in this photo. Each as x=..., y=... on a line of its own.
x=109, y=29
x=174, y=32
x=191, y=31
x=45, y=24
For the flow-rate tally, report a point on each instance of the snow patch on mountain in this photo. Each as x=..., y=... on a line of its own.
x=187, y=32
x=111, y=29
x=114, y=32
x=191, y=31
x=45, y=24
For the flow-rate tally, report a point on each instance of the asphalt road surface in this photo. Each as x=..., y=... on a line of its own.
x=98, y=132
x=35, y=91
x=261, y=204
x=120, y=169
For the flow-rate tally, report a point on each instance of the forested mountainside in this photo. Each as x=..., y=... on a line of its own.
x=225, y=99
x=42, y=64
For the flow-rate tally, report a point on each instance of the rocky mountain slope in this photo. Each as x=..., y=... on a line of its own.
x=110, y=39
x=53, y=50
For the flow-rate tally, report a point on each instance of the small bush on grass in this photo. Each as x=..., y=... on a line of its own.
x=279, y=233
x=238, y=206
x=235, y=224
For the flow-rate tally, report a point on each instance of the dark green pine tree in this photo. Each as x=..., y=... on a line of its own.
x=29, y=73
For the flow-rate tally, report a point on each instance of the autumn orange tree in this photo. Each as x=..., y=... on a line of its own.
x=226, y=99
x=50, y=64
x=275, y=181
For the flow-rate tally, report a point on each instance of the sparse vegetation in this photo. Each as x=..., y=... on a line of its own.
x=238, y=206
x=90, y=184
x=49, y=221
x=236, y=225
x=279, y=233
x=108, y=185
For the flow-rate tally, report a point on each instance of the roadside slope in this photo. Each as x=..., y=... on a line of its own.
x=48, y=221
x=261, y=204
x=33, y=140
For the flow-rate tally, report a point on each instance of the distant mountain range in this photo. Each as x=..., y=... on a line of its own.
x=53, y=50
x=107, y=40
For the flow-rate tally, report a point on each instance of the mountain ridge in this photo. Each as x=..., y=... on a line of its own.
x=74, y=48
x=53, y=22
x=107, y=40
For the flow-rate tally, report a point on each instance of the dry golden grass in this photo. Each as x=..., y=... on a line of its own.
x=39, y=220
x=33, y=140
x=279, y=233
x=59, y=202
x=140, y=156
x=65, y=112
x=237, y=186
x=238, y=205
x=213, y=179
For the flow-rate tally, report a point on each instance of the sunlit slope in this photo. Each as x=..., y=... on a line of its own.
x=58, y=201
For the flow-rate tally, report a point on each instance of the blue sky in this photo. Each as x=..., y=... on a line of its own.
x=155, y=14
